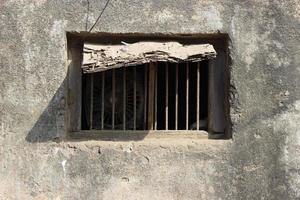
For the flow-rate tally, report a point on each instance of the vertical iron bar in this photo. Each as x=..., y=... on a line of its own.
x=176, y=99
x=146, y=92
x=198, y=95
x=167, y=95
x=124, y=98
x=113, y=99
x=92, y=101
x=134, y=99
x=102, y=100
x=187, y=97
x=151, y=88
x=155, y=98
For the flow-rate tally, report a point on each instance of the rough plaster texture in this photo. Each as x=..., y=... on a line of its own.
x=262, y=161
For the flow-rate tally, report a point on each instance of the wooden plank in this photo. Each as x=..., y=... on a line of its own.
x=99, y=57
x=151, y=88
x=187, y=98
x=167, y=96
x=198, y=95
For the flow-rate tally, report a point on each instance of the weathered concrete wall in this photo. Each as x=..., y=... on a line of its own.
x=261, y=162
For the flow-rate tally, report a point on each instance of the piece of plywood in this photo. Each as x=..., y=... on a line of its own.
x=99, y=57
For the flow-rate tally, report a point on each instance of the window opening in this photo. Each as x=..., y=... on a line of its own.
x=104, y=52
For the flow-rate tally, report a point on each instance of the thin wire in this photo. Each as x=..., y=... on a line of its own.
x=99, y=16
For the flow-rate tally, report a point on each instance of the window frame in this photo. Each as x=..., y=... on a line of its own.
x=74, y=101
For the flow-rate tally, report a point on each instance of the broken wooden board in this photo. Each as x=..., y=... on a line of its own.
x=99, y=57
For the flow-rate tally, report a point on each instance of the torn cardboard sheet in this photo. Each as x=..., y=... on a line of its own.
x=97, y=57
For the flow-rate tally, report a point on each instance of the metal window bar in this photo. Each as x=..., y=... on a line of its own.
x=102, y=100
x=198, y=95
x=145, y=95
x=155, y=98
x=92, y=101
x=176, y=99
x=151, y=87
x=113, y=99
x=124, y=98
x=134, y=99
x=167, y=96
x=187, y=97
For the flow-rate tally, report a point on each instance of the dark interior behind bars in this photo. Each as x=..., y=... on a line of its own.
x=98, y=104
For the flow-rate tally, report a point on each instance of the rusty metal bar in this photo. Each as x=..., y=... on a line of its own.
x=146, y=92
x=176, y=99
x=151, y=95
x=113, y=98
x=124, y=98
x=92, y=101
x=155, y=98
x=198, y=95
x=187, y=97
x=102, y=100
x=134, y=99
x=167, y=96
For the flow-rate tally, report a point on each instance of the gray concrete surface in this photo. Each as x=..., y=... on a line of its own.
x=262, y=161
